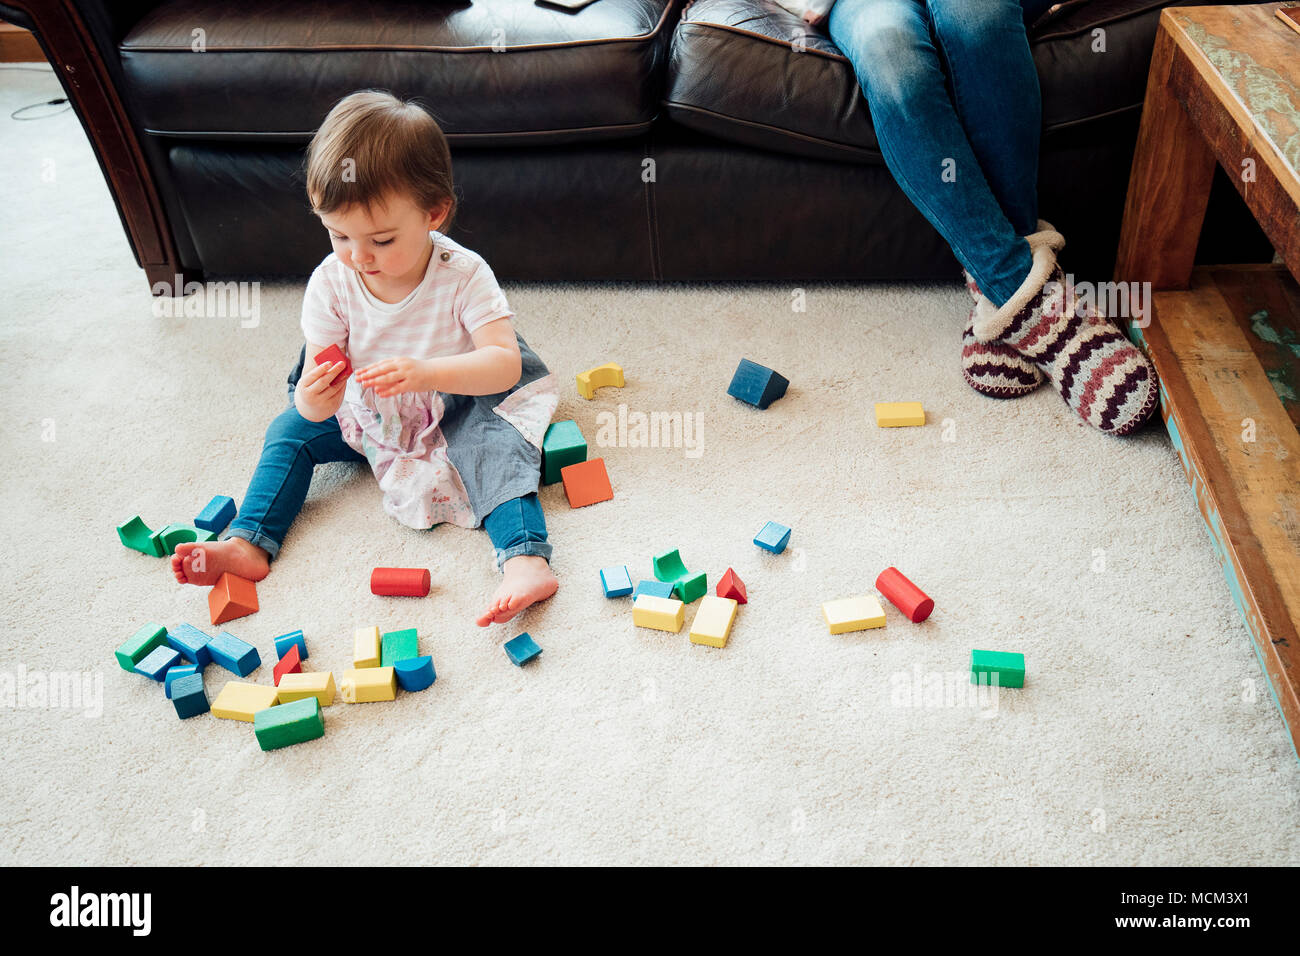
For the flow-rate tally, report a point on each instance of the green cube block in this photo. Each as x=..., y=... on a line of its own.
x=140, y=644
x=690, y=588
x=398, y=646
x=1008, y=666
x=562, y=445
x=286, y=724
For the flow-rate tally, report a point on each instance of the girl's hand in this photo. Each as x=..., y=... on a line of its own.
x=397, y=375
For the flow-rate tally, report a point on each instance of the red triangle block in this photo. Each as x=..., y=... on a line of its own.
x=291, y=663
x=232, y=597
x=732, y=587
x=586, y=483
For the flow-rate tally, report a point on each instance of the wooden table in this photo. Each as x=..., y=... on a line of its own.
x=1224, y=88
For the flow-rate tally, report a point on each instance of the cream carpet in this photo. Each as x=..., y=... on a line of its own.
x=1145, y=733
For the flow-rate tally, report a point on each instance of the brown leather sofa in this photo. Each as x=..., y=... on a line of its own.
x=763, y=158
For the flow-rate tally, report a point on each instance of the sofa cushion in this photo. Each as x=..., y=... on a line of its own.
x=271, y=71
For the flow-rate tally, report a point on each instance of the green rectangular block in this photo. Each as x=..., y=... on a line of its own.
x=691, y=588
x=1008, y=666
x=287, y=724
x=562, y=445
x=139, y=645
x=398, y=646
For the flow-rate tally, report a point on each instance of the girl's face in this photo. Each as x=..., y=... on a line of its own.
x=387, y=243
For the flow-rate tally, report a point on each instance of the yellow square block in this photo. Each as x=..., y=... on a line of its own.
x=895, y=414
x=318, y=684
x=368, y=684
x=853, y=614
x=664, y=614
x=713, y=620
x=240, y=701
x=366, y=647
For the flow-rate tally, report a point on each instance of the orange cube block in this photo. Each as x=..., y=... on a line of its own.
x=586, y=483
x=231, y=597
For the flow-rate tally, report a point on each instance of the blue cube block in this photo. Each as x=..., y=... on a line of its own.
x=415, y=673
x=663, y=589
x=191, y=642
x=757, y=384
x=158, y=662
x=233, y=654
x=189, y=697
x=522, y=649
x=176, y=673
x=286, y=641
x=774, y=537
x=616, y=581
x=219, y=512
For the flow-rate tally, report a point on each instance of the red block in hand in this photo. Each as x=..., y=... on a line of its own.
x=335, y=354
x=404, y=582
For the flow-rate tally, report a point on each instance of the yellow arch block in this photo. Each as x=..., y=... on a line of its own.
x=599, y=377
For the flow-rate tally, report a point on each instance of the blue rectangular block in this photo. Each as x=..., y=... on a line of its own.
x=176, y=673
x=522, y=649
x=233, y=654
x=157, y=662
x=189, y=697
x=286, y=641
x=757, y=384
x=616, y=581
x=663, y=589
x=191, y=642
x=773, y=537
x=220, y=511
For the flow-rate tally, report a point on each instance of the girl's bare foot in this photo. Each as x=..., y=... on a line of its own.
x=528, y=579
x=202, y=563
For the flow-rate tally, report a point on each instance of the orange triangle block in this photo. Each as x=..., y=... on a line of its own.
x=231, y=597
x=586, y=483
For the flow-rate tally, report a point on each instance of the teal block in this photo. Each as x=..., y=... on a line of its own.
x=189, y=698
x=218, y=513
x=562, y=445
x=1007, y=665
x=773, y=537
x=139, y=645
x=616, y=581
x=286, y=641
x=398, y=646
x=174, y=674
x=663, y=589
x=415, y=674
x=158, y=662
x=138, y=536
x=287, y=724
x=522, y=649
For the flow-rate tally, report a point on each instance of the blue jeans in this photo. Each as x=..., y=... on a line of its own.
x=954, y=100
x=294, y=447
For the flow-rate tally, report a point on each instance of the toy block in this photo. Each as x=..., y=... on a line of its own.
x=670, y=567
x=773, y=537
x=241, y=701
x=757, y=384
x=400, y=582
x=286, y=724
x=157, y=662
x=415, y=673
x=732, y=587
x=904, y=595
x=366, y=685
x=586, y=483
x=175, y=534
x=174, y=674
x=608, y=375
x=191, y=642
x=365, y=647
x=139, y=645
x=997, y=668
x=663, y=614
x=138, y=536
x=398, y=646
x=330, y=356
x=562, y=445
x=853, y=614
x=521, y=649
x=662, y=589
x=188, y=696
x=232, y=597
x=291, y=663
x=216, y=514
x=292, y=639
x=234, y=655
x=616, y=581
x=318, y=684
x=898, y=414
x=713, y=621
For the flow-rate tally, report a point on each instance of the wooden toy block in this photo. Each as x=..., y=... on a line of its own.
x=616, y=581
x=331, y=355
x=904, y=595
x=562, y=445
x=662, y=589
x=286, y=724
x=233, y=654
x=521, y=649
x=191, y=642
x=292, y=639
x=853, y=614
x=318, y=684
x=241, y=701
x=138, y=536
x=773, y=537
x=216, y=514
x=663, y=614
x=157, y=662
x=174, y=674
x=713, y=621
x=175, y=534
x=602, y=376
x=997, y=668
x=368, y=684
x=188, y=696
x=365, y=647
x=757, y=384
x=139, y=645
x=670, y=567
x=231, y=597
x=732, y=587
x=291, y=663
x=400, y=582
x=415, y=673
x=586, y=483
x=399, y=646
x=898, y=414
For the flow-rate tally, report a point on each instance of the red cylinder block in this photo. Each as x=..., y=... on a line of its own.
x=904, y=595
x=404, y=582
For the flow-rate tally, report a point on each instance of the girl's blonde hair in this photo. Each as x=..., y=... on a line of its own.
x=372, y=144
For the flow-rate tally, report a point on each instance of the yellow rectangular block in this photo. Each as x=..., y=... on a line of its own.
x=895, y=414
x=853, y=614
x=663, y=614
x=366, y=647
x=318, y=684
x=713, y=620
x=240, y=701
x=368, y=684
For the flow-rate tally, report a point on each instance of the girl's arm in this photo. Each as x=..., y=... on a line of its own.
x=492, y=367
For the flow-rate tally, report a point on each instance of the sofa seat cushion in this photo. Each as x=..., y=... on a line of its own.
x=493, y=72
